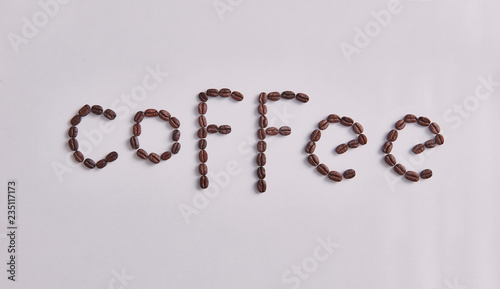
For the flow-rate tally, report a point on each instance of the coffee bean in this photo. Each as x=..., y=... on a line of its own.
x=390, y=160
x=202, y=144
x=203, y=96
x=85, y=110
x=97, y=109
x=400, y=124
x=313, y=160
x=392, y=135
x=349, y=174
x=302, y=97
x=213, y=128
x=435, y=128
x=426, y=174
x=316, y=135
x=111, y=157
x=142, y=154
x=261, y=133
x=174, y=122
x=202, y=108
x=261, y=186
x=101, y=164
x=134, y=142
x=387, y=148
x=353, y=144
x=262, y=109
x=75, y=120
x=310, y=147
x=203, y=169
x=202, y=121
x=261, y=146
x=341, y=148
x=164, y=115
x=73, y=144
x=285, y=130
x=358, y=128
x=236, y=95
x=272, y=130
x=225, y=92
x=78, y=156
x=109, y=114
x=335, y=176
x=412, y=176
x=362, y=139
x=261, y=173
x=154, y=158
x=166, y=155
x=262, y=98
x=430, y=144
x=213, y=92
x=263, y=122
x=202, y=132
x=204, y=182
x=176, y=147
x=323, y=169
x=347, y=121
x=423, y=121
x=139, y=116
x=136, y=129
x=439, y=139
x=333, y=118
x=73, y=132
x=322, y=125
x=261, y=159
x=418, y=148
x=224, y=129
x=274, y=96
x=288, y=94
x=151, y=112
x=203, y=156
x=410, y=118
x=176, y=135
x=89, y=163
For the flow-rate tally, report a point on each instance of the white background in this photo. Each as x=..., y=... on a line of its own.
x=79, y=228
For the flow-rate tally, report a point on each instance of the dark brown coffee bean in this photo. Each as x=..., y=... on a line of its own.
x=202, y=108
x=310, y=147
x=213, y=92
x=313, y=160
x=362, y=139
x=174, y=122
x=101, y=164
x=261, y=133
x=262, y=109
x=164, y=115
x=109, y=114
x=412, y=176
x=418, y=148
x=213, y=128
x=204, y=182
x=203, y=156
x=435, y=128
x=323, y=169
x=349, y=174
x=322, y=125
x=400, y=169
x=335, y=176
x=202, y=132
x=423, y=121
x=150, y=112
x=263, y=122
x=430, y=144
x=224, y=129
x=341, y=148
x=78, y=156
x=316, y=135
x=285, y=130
x=166, y=155
x=97, y=109
x=136, y=129
x=73, y=132
x=272, y=130
x=176, y=147
x=85, y=110
x=302, y=97
x=154, y=158
x=353, y=144
x=73, y=144
x=261, y=173
x=392, y=135
x=261, y=186
x=203, y=96
x=202, y=144
x=274, y=96
x=176, y=135
x=139, y=116
x=347, y=121
x=236, y=95
x=75, y=120
x=262, y=98
x=358, y=128
x=111, y=157
x=400, y=124
x=333, y=118
x=439, y=139
x=261, y=146
x=202, y=121
x=390, y=160
x=410, y=118
x=288, y=94
x=134, y=142
x=142, y=154
x=225, y=92
x=426, y=174
x=387, y=148
x=261, y=159
x=89, y=163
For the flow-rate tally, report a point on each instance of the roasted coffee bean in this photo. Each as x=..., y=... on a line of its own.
x=387, y=148
x=302, y=97
x=410, y=118
x=263, y=122
x=142, y=154
x=261, y=146
x=73, y=132
x=362, y=139
x=101, y=164
x=176, y=135
x=236, y=95
x=272, y=130
x=322, y=125
x=89, y=163
x=202, y=108
x=313, y=160
x=166, y=155
x=439, y=139
x=150, y=112
x=97, y=109
x=335, y=176
x=261, y=159
x=78, y=156
x=164, y=115
x=412, y=176
x=176, y=147
x=435, y=128
x=358, y=128
x=423, y=121
x=85, y=110
x=154, y=158
x=75, y=120
x=224, y=129
x=202, y=121
x=261, y=173
x=347, y=121
x=202, y=144
x=202, y=132
x=392, y=135
x=204, y=182
x=430, y=144
x=203, y=156
x=111, y=157
x=262, y=109
x=323, y=169
x=73, y=144
x=203, y=169
x=213, y=92
x=400, y=169
x=136, y=129
x=174, y=122
x=139, y=116
x=333, y=118
x=274, y=96
x=202, y=96
x=288, y=94
x=134, y=142
x=310, y=147
x=342, y=148
x=426, y=174
x=418, y=148
x=225, y=92
x=390, y=160
x=349, y=174
x=316, y=135
x=400, y=124
x=213, y=128
x=353, y=144
x=261, y=133
x=261, y=186
x=285, y=130
x=109, y=114
x=262, y=98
